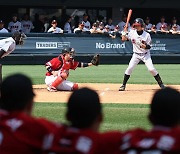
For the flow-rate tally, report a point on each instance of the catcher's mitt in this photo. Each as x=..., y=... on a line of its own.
x=95, y=60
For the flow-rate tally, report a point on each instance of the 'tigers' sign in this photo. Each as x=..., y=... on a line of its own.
x=110, y=45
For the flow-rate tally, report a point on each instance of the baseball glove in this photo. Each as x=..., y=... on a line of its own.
x=95, y=60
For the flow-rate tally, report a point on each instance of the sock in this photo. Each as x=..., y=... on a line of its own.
x=158, y=79
x=126, y=78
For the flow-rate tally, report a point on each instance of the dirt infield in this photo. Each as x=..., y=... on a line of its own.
x=135, y=93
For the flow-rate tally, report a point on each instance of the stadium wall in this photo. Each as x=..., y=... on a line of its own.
x=41, y=47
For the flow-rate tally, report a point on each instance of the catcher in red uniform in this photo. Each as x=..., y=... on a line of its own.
x=58, y=70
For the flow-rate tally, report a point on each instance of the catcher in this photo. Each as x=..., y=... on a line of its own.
x=58, y=70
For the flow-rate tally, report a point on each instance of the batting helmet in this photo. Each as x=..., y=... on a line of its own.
x=69, y=50
x=138, y=22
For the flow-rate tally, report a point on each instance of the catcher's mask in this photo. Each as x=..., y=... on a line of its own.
x=69, y=50
x=19, y=37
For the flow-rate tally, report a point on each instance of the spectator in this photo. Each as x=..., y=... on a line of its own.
x=116, y=32
x=8, y=45
x=153, y=29
x=2, y=29
x=86, y=23
x=38, y=24
x=148, y=25
x=175, y=29
x=80, y=29
x=14, y=25
x=54, y=28
x=162, y=22
x=67, y=26
x=19, y=131
x=164, y=29
x=100, y=29
x=94, y=28
x=26, y=24
x=164, y=137
x=174, y=22
x=123, y=23
x=110, y=24
x=84, y=113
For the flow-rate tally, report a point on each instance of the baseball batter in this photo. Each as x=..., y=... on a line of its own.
x=58, y=70
x=141, y=41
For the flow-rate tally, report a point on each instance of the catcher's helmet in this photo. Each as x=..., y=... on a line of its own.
x=69, y=50
x=138, y=22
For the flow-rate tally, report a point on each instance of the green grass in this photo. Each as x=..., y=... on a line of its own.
x=102, y=74
x=116, y=116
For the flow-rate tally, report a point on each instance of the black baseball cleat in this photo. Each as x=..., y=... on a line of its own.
x=122, y=88
x=162, y=86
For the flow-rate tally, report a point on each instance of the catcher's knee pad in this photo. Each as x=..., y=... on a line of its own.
x=75, y=87
x=64, y=75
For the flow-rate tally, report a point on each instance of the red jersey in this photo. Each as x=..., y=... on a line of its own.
x=60, y=64
x=159, y=140
x=77, y=141
x=22, y=134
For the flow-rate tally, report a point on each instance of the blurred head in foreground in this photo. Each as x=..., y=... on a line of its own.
x=17, y=94
x=84, y=109
x=165, y=108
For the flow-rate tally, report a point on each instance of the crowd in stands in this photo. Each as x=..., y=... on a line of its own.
x=84, y=26
x=21, y=133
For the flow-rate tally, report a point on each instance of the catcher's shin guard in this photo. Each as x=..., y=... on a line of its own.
x=159, y=81
x=75, y=87
x=57, y=82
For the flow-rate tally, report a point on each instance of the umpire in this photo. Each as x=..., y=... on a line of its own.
x=8, y=45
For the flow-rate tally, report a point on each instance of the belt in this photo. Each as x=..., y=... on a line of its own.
x=141, y=54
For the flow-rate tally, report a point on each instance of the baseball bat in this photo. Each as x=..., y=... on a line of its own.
x=128, y=18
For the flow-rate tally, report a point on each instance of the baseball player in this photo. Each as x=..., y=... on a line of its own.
x=141, y=41
x=58, y=70
x=86, y=23
x=8, y=45
x=14, y=25
x=162, y=22
x=148, y=25
x=26, y=24
x=67, y=26
x=2, y=29
x=54, y=28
